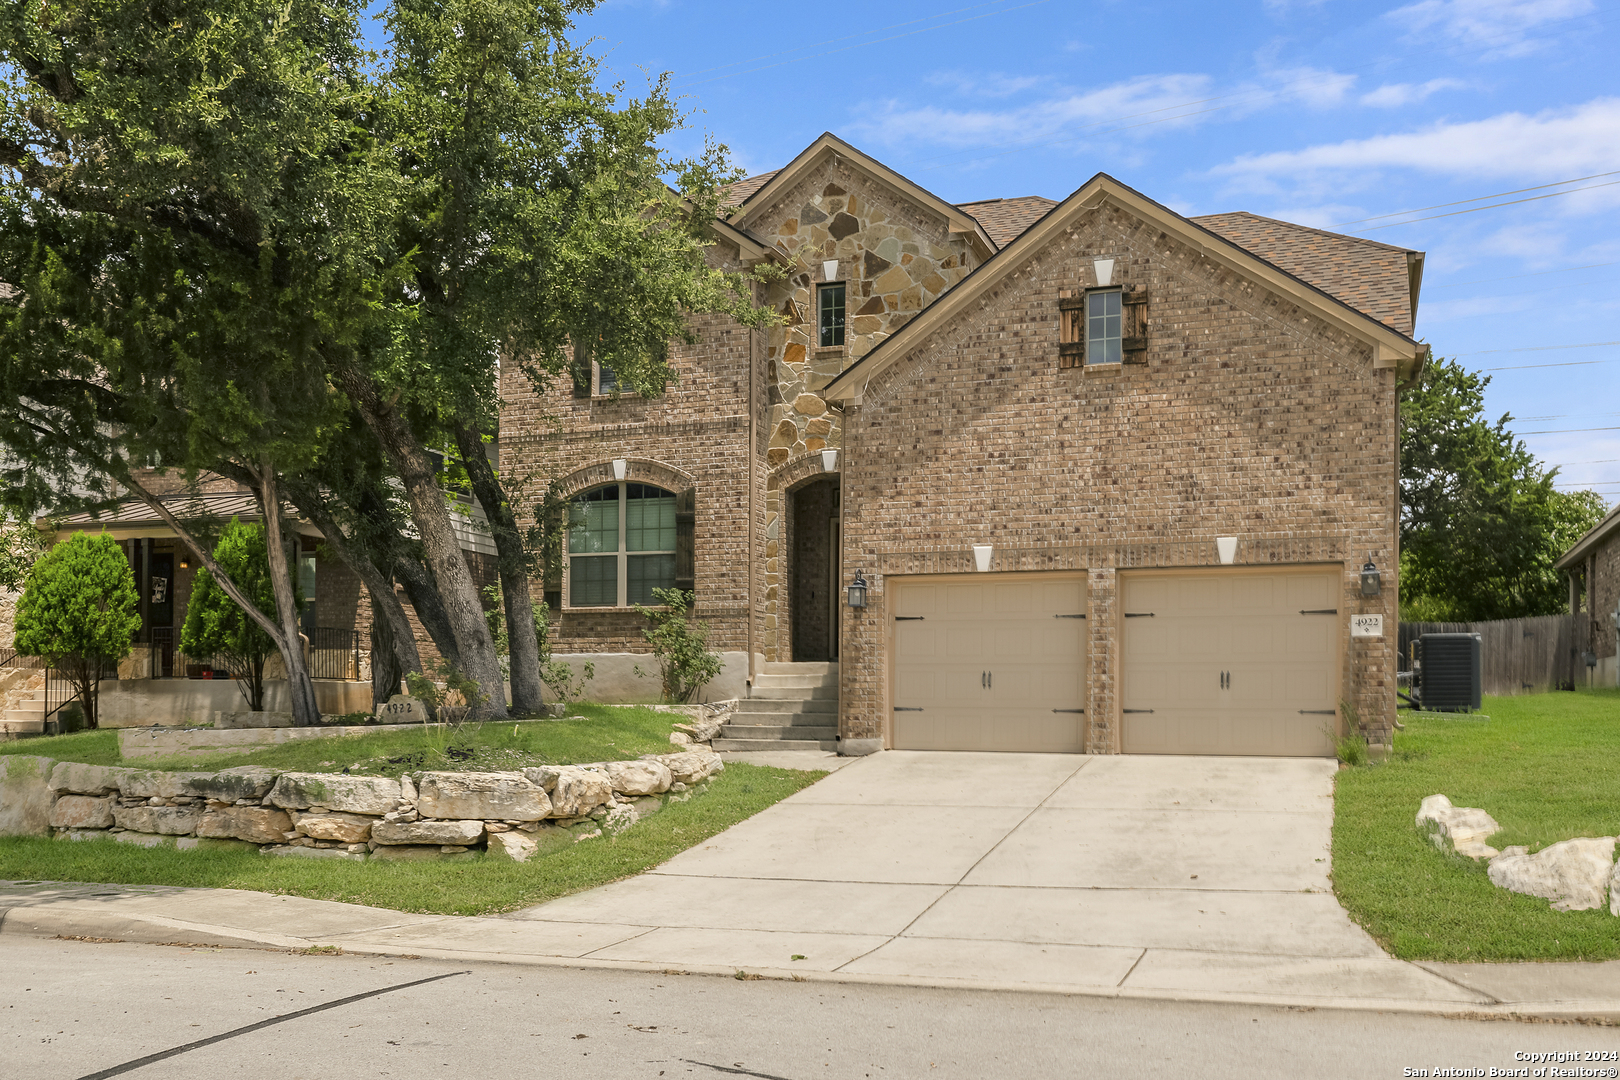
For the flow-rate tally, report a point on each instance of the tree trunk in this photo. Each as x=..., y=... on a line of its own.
x=385, y=605
x=385, y=666
x=300, y=688
x=528, y=694
x=424, y=597
x=291, y=650
x=430, y=512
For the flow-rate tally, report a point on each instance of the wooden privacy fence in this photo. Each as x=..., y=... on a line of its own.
x=1519, y=656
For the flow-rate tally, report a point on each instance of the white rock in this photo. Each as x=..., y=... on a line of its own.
x=1465, y=828
x=481, y=795
x=639, y=777
x=511, y=845
x=374, y=795
x=1573, y=874
x=680, y=738
x=428, y=832
x=407, y=790
x=575, y=792
x=1614, y=890
x=692, y=767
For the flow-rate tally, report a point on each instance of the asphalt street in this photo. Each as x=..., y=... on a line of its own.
x=72, y=1009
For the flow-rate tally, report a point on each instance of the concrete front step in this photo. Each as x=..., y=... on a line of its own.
x=774, y=744
x=793, y=682
x=780, y=733
x=783, y=720
x=22, y=727
x=787, y=705
x=25, y=716
x=774, y=668
x=793, y=693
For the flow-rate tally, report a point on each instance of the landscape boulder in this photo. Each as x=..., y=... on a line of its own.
x=76, y=779
x=82, y=812
x=152, y=784
x=345, y=828
x=241, y=783
x=373, y=795
x=158, y=820
x=499, y=796
x=1465, y=828
x=255, y=824
x=512, y=846
x=693, y=766
x=25, y=795
x=575, y=792
x=427, y=832
x=1573, y=874
x=639, y=777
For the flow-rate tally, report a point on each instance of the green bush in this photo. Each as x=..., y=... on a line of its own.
x=78, y=612
x=217, y=626
x=681, y=648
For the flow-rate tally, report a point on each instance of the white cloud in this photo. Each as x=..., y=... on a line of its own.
x=1500, y=26
x=1315, y=87
x=1551, y=145
x=986, y=84
x=1148, y=98
x=1391, y=95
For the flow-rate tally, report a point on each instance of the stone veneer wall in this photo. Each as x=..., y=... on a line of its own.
x=1603, y=594
x=1252, y=417
x=430, y=815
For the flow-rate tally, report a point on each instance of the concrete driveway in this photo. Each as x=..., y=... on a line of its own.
x=1147, y=875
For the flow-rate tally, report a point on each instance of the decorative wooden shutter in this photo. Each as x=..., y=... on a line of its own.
x=685, y=546
x=1134, y=332
x=1071, y=329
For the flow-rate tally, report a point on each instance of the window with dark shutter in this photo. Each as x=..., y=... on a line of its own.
x=685, y=540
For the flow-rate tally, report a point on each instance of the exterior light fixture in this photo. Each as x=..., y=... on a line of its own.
x=620, y=467
x=829, y=461
x=1371, y=581
x=857, y=591
x=185, y=560
x=981, y=556
x=1226, y=549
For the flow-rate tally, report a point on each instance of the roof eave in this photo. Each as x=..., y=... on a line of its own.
x=1594, y=537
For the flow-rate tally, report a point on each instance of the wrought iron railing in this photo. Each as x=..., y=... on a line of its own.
x=330, y=652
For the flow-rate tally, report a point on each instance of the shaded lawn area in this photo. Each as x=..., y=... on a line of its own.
x=479, y=886
x=1545, y=766
x=608, y=733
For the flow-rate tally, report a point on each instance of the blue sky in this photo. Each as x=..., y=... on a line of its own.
x=1324, y=113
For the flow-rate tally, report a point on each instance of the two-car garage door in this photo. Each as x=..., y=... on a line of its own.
x=1211, y=662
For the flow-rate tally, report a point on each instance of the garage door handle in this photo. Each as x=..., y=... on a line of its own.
x=908, y=618
x=1136, y=710
x=1139, y=614
x=1320, y=611
x=902, y=708
x=1319, y=712
x=1068, y=616
x=1069, y=710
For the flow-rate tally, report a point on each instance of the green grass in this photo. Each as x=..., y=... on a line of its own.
x=481, y=886
x=608, y=733
x=1545, y=766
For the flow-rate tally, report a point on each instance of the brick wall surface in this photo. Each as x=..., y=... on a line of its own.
x=1604, y=595
x=1251, y=417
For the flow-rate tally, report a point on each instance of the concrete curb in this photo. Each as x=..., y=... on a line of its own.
x=70, y=919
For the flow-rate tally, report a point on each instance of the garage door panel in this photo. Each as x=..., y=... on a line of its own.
x=1005, y=628
x=1279, y=667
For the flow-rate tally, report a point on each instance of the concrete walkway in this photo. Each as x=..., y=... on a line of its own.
x=1199, y=879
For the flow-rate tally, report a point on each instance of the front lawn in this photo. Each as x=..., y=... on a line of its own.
x=608, y=733
x=479, y=886
x=1545, y=766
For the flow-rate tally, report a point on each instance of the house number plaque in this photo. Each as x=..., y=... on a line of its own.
x=1366, y=626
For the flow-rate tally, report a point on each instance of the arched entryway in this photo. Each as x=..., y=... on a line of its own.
x=813, y=570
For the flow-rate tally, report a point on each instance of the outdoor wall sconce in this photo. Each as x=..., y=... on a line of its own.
x=620, y=467
x=1371, y=582
x=1226, y=549
x=829, y=270
x=185, y=561
x=981, y=556
x=829, y=461
x=857, y=591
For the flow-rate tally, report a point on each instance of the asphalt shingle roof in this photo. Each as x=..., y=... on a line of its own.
x=738, y=193
x=1006, y=219
x=1369, y=276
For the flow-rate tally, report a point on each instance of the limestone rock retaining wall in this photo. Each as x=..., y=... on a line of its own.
x=428, y=815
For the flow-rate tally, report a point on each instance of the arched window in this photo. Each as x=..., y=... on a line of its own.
x=621, y=545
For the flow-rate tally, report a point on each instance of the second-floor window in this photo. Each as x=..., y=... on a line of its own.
x=830, y=309
x=1103, y=327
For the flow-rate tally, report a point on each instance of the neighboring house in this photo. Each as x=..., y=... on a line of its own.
x=1025, y=424
x=1593, y=566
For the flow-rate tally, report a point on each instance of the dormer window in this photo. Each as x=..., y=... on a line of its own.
x=830, y=315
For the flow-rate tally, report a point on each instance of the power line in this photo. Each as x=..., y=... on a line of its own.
x=1566, y=363
x=1567, y=431
x=1477, y=198
x=1542, y=348
x=1493, y=206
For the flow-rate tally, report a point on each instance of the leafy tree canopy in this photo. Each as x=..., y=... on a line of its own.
x=1481, y=522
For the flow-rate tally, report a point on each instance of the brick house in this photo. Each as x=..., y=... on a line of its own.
x=1593, y=566
x=1110, y=474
